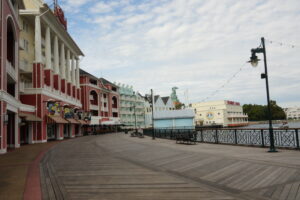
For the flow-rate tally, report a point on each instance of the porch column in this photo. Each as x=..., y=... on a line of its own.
x=68, y=66
x=48, y=48
x=62, y=61
x=56, y=56
x=38, y=40
x=73, y=70
x=77, y=73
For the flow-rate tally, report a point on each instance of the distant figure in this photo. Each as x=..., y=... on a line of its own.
x=284, y=125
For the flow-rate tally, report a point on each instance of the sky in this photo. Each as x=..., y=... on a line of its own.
x=200, y=46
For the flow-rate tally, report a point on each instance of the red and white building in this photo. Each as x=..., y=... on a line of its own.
x=43, y=93
x=101, y=99
x=9, y=75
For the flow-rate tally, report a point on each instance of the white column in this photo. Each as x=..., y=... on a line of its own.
x=48, y=49
x=56, y=56
x=62, y=61
x=68, y=66
x=73, y=70
x=78, y=73
x=38, y=40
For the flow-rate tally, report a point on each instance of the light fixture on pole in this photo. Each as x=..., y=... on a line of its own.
x=254, y=62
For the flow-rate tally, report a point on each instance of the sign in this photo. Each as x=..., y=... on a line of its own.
x=53, y=108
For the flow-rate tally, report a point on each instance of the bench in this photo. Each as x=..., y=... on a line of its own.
x=186, y=138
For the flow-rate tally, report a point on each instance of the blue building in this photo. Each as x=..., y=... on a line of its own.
x=174, y=119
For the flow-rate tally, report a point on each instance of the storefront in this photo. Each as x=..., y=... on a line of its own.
x=26, y=127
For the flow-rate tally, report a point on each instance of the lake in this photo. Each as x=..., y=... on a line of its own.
x=291, y=125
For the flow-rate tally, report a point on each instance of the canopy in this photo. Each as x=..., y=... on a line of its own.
x=30, y=117
x=72, y=121
x=57, y=119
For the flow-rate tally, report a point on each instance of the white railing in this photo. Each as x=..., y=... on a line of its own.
x=28, y=85
x=24, y=66
x=94, y=107
x=104, y=109
x=115, y=110
x=22, y=86
x=237, y=116
x=10, y=70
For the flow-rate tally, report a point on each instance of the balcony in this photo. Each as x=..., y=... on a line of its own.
x=115, y=110
x=104, y=109
x=22, y=86
x=237, y=116
x=11, y=71
x=94, y=107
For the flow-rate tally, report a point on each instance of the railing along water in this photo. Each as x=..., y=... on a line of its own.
x=288, y=138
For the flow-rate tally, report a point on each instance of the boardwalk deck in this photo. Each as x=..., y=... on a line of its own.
x=117, y=166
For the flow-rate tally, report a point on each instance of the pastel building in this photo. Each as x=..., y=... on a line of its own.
x=132, y=107
x=225, y=113
x=174, y=119
x=10, y=104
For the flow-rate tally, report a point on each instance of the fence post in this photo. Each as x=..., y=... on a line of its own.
x=297, y=138
x=235, y=137
x=201, y=134
x=262, y=137
x=217, y=139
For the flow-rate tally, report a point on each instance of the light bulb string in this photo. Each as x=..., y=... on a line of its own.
x=225, y=83
x=281, y=43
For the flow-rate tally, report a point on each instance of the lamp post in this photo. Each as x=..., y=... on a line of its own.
x=134, y=106
x=254, y=62
x=152, y=100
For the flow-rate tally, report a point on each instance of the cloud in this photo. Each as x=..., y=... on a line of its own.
x=196, y=45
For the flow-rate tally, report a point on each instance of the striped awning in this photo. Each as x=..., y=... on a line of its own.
x=30, y=117
x=72, y=121
x=57, y=119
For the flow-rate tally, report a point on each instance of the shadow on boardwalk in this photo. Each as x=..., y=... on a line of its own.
x=117, y=166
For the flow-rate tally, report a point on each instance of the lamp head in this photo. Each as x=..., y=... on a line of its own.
x=253, y=60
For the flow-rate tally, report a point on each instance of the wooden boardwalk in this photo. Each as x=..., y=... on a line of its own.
x=119, y=167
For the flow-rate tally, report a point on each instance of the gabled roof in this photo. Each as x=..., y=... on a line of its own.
x=165, y=99
x=85, y=73
x=104, y=81
x=155, y=98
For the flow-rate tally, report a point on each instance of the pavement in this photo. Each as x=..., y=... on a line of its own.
x=120, y=167
x=19, y=171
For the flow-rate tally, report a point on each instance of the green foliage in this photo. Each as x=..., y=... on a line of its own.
x=179, y=105
x=260, y=112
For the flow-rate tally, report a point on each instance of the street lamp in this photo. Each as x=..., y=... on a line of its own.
x=134, y=106
x=254, y=62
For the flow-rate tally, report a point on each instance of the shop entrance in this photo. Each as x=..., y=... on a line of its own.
x=51, y=131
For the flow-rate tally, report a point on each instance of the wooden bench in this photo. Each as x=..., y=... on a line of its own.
x=186, y=138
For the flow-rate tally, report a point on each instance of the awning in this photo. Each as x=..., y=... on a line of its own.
x=30, y=117
x=72, y=121
x=57, y=119
x=82, y=122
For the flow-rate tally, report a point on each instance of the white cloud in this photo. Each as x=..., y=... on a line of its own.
x=196, y=45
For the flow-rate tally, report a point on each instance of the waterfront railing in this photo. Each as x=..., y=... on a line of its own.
x=286, y=138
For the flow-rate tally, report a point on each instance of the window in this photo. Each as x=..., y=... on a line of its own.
x=25, y=26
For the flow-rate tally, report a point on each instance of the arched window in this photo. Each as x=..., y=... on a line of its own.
x=11, y=43
x=114, y=102
x=93, y=97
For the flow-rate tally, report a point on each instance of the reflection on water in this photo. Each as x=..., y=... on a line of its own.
x=291, y=125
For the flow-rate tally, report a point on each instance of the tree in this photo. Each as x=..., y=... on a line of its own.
x=260, y=112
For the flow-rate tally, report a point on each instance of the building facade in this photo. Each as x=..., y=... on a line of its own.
x=174, y=119
x=100, y=100
x=292, y=113
x=132, y=107
x=225, y=113
x=9, y=75
x=49, y=74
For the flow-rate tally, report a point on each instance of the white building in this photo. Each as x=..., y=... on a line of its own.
x=160, y=104
x=225, y=113
x=292, y=112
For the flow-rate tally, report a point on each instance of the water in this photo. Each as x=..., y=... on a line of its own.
x=291, y=125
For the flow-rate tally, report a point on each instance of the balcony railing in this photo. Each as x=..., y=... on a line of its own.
x=94, y=107
x=115, y=110
x=22, y=86
x=104, y=109
x=10, y=70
